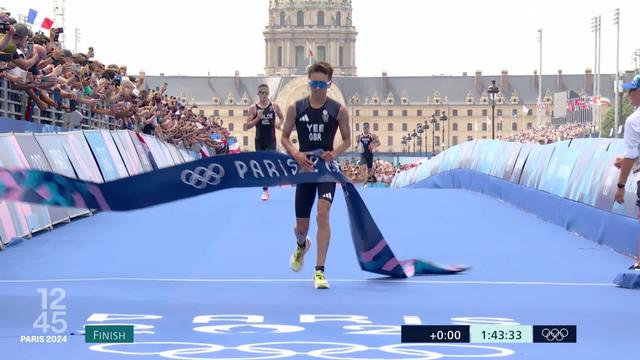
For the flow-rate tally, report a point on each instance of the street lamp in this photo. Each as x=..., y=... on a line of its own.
x=443, y=118
x=434, y=121
x=420, y=132
x=426, y=128
x=493, y=90
x=413, y=135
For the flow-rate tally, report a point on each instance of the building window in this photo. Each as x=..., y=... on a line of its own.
x=244, y=127
x=514, y=126
x=201, y=112
x=357, y=112
x=437, y=112
x=484, y=112
x=437, y=140
x=455, y=126
x=341, y=56
x=419, y=113
x=529, y=126
x=499, y=112
x=437, y=126
x=454, y=140
x=405, y=113
x=390, y=127
x=245, y=112
x=375, y=112
x=281, y=18
x=279, y=55
x=338, y=18
x=375, y=126
x=499, y=126
x=230, y=112
x=357, y=126
x=320, y=18
x=321, y=55
x=419, y=140
x=216, y=112
x=484, y=126
x=245, y=140
x=454, y=112
x=469, y=138
x=300, y=19
x=299, y=55
x=231, y=126
x=469, y=127
x=404, y=126
x=390, y=140
x=389, y=112
x=514, y=112
x=469, y=112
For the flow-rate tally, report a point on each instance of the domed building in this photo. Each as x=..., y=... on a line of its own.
x=432, y=112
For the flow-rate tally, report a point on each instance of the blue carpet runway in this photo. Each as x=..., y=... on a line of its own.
x=208, y=278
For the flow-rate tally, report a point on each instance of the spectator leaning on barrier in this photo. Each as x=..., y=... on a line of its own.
x=629, y=160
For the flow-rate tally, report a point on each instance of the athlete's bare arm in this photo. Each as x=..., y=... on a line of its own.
x=280, y=119
x=252, y=119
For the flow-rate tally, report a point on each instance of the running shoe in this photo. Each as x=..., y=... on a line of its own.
x=265, y=195
x=319, y=281
x=297, y=258
x=635, y=267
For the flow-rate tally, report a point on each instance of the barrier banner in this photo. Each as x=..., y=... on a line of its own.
x=121, y=168
x=605, y=189
x=11, y=156
x=451, y=157
x=175, y=154
x=187, y=155
x=497, y=168
x=78, y=151
x=57, y=157
x=160, y=154
x=38, y=161
x=127, y=153
x=523, y=155
x=144, y=153
x=536, y=164
x=466, y=154
x=556, y=176
x=102, y=155
x=12, y=222
x=580, y=182
x=213, y=174
x=510, y=161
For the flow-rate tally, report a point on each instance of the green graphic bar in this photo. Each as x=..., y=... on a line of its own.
x=108, y=334
x=501, y=334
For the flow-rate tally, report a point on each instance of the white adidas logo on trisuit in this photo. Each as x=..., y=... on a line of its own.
x=305, y=118
x=327, y=196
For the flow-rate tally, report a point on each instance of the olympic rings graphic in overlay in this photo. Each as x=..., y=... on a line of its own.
x=283, y=349
x=555, y=334
x=200, y=177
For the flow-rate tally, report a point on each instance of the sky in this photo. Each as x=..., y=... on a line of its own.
x=401, y=37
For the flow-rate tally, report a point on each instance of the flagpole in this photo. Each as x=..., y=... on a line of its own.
x=616, y=116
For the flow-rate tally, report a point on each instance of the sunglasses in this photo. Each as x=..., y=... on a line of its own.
x=263, y=93
x=319, y=84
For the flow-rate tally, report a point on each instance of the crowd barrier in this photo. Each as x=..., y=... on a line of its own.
x=571, y=183
x=96, y=155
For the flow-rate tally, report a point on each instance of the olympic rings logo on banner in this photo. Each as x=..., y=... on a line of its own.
x=555, y=334
x=283, y=349
x=200, y=177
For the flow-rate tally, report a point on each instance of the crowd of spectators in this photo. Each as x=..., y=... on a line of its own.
x=55, y=78
x=383, y=171
x=549, y=134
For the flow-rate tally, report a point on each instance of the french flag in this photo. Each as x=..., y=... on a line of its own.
x=33, y=19
x=234, y=146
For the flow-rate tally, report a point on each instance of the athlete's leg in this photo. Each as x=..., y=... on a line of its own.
x=326, y=193
x=305, y=197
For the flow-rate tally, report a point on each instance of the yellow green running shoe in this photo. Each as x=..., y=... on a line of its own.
x=319, y=281
x=297, y=258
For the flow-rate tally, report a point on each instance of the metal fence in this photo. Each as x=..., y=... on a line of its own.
x=13, y=105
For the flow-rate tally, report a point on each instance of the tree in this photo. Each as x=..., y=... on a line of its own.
x=607, y=123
